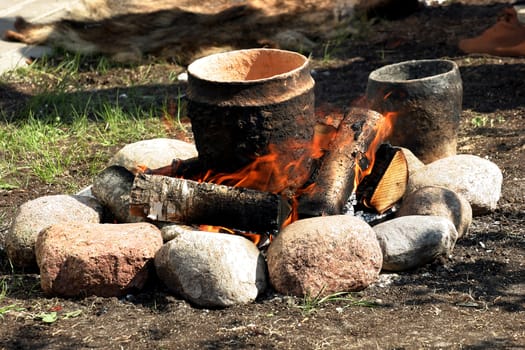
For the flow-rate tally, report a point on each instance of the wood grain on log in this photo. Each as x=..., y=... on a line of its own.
x=387, y=182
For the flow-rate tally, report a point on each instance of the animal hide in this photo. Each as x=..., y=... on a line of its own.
x=186, y=29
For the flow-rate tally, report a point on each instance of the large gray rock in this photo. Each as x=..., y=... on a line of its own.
x=411, y=241
x=171, y=230
x=324, y=255
x=153, y=153
x=438, y=201
x=37, y=214
x=211, y=269
x=478, y=180
x=96, y=259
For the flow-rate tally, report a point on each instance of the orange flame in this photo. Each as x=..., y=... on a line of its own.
x=216, y=229
x=294, y=213
x=276, y=171
x=263, y=174
x=255, y=238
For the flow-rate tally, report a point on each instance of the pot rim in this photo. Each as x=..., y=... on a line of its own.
x=379, y=75
x=197, y=67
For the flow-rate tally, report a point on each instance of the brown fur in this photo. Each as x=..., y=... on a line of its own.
x=127, y=30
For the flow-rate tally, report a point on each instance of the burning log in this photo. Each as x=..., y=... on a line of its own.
x=387, y=182
x=164, y=198
x=334, y=180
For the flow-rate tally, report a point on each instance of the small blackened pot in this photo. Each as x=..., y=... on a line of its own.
x=426, y=97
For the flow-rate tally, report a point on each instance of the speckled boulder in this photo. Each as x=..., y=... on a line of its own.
x=37, y=214
x=411, y=241
x=96, y=259
x=154, y=153
x=324, y=255
x=212, y=269
x=438, y=201
x=478, y=180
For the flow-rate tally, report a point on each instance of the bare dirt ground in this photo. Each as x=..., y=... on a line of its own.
x=472, y=300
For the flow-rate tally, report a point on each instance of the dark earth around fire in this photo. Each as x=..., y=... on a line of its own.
x=474, y=299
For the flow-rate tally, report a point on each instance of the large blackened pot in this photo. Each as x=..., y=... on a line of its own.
x=241, y=102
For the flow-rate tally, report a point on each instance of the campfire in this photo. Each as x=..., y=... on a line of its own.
x=256, y=180
x=318, y=193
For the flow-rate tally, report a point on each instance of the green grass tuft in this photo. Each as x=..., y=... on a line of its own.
x=311, y=304
x=66, y=124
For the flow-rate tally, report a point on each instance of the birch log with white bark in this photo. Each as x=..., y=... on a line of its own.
x=170, y=199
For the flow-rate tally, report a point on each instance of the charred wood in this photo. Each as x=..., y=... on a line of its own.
x=334, y=180
x=191, y=168
x=386, y=184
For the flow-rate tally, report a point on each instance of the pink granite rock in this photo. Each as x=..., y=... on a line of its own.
x=78, y=259
x=324, y=255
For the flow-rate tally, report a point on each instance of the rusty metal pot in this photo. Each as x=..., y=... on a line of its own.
x=426, y=96
x=240, y=102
